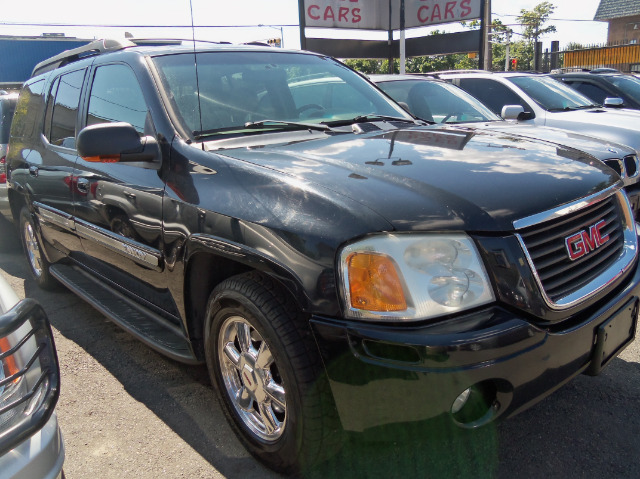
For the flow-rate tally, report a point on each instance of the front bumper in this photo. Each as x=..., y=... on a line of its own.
x=40, y=456
x=5, y=207
x=386, y=374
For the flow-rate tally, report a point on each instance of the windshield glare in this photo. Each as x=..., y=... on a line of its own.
x=628, y=84
x=239, y=87
x=551, y=94
x=438, y=102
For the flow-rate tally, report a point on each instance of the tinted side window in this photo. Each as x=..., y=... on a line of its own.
x=29, y=110
x=117, y=96
x=492, y=93
x=65, y=110
x=590, y=90
x=7, y=108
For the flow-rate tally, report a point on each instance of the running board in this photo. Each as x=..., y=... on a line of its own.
x=149, y=327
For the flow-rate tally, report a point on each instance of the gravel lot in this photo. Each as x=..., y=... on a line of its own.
x=128, y=412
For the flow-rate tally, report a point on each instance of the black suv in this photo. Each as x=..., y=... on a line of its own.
x=602, y=85
x=338, y=264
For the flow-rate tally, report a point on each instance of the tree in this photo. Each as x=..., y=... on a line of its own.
x=532, y=21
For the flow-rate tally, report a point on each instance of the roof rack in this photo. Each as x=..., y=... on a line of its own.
x=69, y=56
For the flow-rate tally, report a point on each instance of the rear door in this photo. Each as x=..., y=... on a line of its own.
x=50, y=182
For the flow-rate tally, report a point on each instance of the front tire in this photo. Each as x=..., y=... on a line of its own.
x=38, y=264
x=268, y=374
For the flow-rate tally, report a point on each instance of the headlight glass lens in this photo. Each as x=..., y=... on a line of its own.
x=410, y=277
x=12, y=390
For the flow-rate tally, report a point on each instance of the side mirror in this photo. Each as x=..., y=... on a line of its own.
x=613, y=102
x=117, y=143
x=515, y=112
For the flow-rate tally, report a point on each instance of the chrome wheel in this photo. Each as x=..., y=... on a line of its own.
x=252, y=379
x=33, y=249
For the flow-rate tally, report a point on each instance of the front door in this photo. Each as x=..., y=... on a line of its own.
x=118, y=206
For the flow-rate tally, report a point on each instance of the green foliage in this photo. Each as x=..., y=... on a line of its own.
x=532, y=21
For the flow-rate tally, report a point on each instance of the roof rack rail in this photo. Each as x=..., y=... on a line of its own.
x=91, y=49
x=444, y=72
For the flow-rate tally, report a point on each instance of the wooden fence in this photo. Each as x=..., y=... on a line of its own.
x=625, y=58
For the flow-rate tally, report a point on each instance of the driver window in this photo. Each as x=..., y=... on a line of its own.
x=117, y=96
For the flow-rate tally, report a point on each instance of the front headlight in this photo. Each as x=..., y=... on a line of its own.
x=397, y=277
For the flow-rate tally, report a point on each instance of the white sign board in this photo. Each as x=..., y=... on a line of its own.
x=374, y=14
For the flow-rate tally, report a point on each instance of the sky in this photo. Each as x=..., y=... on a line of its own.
x=222, y=20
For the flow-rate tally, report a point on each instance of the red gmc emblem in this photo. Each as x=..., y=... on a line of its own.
x=585, y=241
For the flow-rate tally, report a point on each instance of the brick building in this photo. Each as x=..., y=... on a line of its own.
x=623, y=17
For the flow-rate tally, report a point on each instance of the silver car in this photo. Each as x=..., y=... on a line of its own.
x=31, y=445
x=441, y=102
x=7, y=107
x=548, y=102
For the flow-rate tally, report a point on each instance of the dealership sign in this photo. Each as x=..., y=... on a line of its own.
x=374, y=14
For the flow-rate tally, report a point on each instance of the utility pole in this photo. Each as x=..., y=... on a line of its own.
x=402, y=40
x=486, y=17
x=507, y=57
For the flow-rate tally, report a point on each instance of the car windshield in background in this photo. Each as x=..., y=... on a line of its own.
x=552, y=95
x=629, y=85
x=438, y=102
x=238, y=89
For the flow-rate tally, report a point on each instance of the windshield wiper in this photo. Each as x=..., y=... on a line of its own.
x=255, y=125
x=375, y=117
x=269, y=123
x=573, y=108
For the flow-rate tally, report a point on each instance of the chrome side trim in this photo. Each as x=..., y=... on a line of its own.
x=618, y=268
x=134, y=250
x=54, y=216
x=566, y=209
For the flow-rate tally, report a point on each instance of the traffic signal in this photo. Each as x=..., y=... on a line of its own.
x=514, y=64
x=274, y=42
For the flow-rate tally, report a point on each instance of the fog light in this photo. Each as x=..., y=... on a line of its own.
x=460, y=401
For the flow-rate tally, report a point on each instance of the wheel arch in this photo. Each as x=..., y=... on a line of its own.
x=209, y=262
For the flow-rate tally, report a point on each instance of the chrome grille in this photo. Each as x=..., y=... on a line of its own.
x=558, y=275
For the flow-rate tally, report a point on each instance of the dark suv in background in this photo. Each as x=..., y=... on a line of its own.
x=600, y=86
x=337, y=263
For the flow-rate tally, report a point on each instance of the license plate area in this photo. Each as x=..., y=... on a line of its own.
x=613, y=336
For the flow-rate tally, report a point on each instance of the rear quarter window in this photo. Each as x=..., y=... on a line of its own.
x=28, y=112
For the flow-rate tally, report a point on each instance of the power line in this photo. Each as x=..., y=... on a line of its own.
x=93, y=25
x=549, y=19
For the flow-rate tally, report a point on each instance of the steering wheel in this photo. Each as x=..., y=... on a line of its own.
x=310, y=106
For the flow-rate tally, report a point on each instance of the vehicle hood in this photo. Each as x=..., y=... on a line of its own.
x=621, y=126
x=435, y=178
x=602, y=149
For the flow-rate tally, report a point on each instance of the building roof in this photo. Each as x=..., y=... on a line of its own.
x=609, y=9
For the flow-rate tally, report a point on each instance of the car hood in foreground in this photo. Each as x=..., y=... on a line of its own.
x=435, y=177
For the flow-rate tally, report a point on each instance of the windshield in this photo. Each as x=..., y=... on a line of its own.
x=438, y=102
x=628, y=84
x=239, y=89
x=551, y=94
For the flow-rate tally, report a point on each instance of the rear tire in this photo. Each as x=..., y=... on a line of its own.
x=38, y=264
x=268, y=374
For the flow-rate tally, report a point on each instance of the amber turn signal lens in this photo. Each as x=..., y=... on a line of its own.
x=10, y=365
x=374, y=284
x=102, y=159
